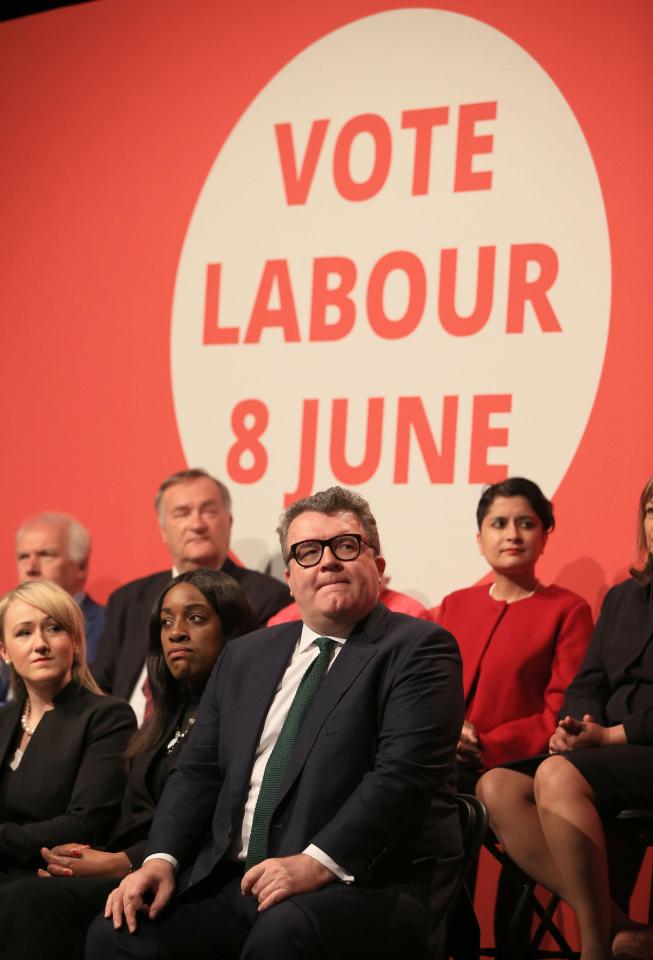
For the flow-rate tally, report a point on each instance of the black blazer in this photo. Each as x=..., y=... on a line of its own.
x=608, y=678
x=70, y=781
x=372, y=777
x=147, y=772
x=123, y=646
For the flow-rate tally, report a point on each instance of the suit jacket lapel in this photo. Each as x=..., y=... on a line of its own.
x=356, y=653
x=265, y=674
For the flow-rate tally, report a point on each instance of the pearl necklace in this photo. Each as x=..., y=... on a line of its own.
x=525, y=597
x=25, y=718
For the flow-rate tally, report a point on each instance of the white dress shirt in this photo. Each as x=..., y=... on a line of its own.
x=306, y=651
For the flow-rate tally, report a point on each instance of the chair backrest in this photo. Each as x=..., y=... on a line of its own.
x=635, y=824
x=473, y=827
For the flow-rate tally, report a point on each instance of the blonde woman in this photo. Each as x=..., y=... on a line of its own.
x=61, y=739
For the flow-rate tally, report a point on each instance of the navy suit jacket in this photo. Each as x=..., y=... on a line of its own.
x=123, y=646
x=94, y=616
x=372, y=777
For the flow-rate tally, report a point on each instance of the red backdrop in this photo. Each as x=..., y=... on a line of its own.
x=112, y=115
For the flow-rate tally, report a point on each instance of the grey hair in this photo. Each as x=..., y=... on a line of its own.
x=182, y=476
x=79, y=539
x=331, y=501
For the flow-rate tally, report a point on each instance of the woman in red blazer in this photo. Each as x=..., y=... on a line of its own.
x=521, y=642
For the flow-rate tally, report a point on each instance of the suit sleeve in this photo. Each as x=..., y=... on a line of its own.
x=95, y=797
x=103, y=667
x=182, y=820
x=526, y=736
x=593, y=686
x=135, y=853
x=590, y=689
x=421, y=719
x=274, y=597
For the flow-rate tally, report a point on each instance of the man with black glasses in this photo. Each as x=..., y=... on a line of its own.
x=314, y=804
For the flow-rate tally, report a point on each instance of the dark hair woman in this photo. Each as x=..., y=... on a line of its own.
x=602, y=762
x=521, y=644
x=195, y=615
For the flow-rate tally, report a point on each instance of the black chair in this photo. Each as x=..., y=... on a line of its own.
x=528, y=903
x=635, y=826
x=473, y=828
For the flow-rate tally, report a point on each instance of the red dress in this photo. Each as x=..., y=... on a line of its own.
x=518, y=660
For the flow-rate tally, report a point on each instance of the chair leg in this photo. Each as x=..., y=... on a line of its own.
x=514, y=941
x=547, y=925
x=512, y=914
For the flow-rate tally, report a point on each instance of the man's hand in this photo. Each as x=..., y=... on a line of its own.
x=468, y=751
x=277, y=879
x=155, y=877
x=80, y=860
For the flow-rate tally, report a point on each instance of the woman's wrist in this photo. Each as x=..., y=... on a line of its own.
x=121, y=865
x=615, y=735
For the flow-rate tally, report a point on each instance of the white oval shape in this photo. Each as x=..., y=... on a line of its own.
x=544, y=191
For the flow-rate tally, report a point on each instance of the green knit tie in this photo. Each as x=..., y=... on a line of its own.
x=275, y=768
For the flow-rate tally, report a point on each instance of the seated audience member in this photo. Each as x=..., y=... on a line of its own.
x=197, y=613
x=602, y=763
x=194, y=512
x=315, y=802
x=521, y=644
x=392, y=599
x=61, y=740
x=56, y=547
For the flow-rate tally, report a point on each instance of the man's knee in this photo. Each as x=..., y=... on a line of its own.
x=283, y=932
x=105, y=943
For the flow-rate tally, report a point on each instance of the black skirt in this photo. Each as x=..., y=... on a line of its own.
x=621, y=776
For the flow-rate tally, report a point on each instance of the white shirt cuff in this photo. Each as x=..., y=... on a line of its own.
x=327, y=862
x=163, y=856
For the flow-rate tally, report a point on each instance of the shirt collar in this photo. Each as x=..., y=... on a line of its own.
x=309, y=637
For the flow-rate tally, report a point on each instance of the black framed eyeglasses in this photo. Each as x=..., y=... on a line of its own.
x=346, y=546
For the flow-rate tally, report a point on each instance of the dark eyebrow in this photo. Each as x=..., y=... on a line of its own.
x=194, y=604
